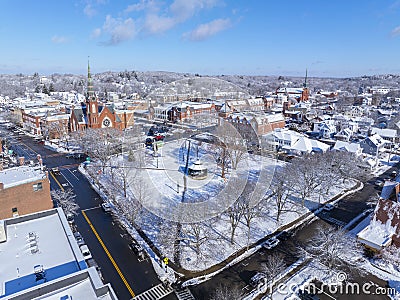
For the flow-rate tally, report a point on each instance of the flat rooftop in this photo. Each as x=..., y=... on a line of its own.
x=38, y=239
x=20, y=175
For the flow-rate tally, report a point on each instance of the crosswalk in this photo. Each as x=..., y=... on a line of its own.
x=155, y=293
x=184, y=294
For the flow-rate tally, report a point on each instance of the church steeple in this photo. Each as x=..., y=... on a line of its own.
x=92, y=106
x=90, y=92
x=305, y=80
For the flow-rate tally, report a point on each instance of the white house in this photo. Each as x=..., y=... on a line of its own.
x=347, y=147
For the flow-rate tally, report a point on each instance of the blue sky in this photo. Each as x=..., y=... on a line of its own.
x=266, y=37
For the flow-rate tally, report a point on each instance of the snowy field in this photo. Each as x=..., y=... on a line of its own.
x=205, y=235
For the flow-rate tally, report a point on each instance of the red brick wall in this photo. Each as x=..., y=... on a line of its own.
x=25, y=199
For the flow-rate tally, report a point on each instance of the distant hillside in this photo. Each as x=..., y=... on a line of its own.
x=144, y=83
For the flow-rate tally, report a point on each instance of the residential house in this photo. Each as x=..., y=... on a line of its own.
x=326, y=129
x=373, y=144
x=384, y=228
x=293, y=142
x=348, y=147
x=389, y=135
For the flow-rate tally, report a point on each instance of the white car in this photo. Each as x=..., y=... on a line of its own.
x=106, y=207
x=85, y=252
x=271, y=243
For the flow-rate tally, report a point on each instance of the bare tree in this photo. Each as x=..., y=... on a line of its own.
x=280, y=192
x=230, y=148
x=66, y=200
x=223, y=292
x=235, y=213
x=100, y=143
x=332, y=248
x=196, y=234
x=305, y=175
x=273, y=266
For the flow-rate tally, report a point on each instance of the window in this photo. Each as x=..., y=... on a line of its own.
x=14, y=212
x=37, y=186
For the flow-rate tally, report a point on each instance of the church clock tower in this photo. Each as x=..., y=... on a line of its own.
x=92, y=106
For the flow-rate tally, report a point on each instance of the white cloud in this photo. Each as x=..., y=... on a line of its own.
x=96, y=33
x=89, y=10
x=206, y=30
x=59, y=39
x=155, y=24
x=396, y=31
x=178, y=12
x=120, y=30
x=185, y=9
x=136, y=7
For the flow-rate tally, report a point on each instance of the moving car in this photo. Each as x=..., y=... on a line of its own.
x=271, y=243
x=56, y=171
x=379, y=183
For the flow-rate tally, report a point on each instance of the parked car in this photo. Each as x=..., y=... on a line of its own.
x=79, y=238
x=136, y=248
x=257, y=278
x=328, y=207
x=85, y=252
x=70, y=218
x=394, y=173
x=271, y=243
x=106, y=207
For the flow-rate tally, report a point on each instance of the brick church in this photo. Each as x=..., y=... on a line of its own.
x=94, y=114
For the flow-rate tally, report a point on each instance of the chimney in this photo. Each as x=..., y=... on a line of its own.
x=21, y=160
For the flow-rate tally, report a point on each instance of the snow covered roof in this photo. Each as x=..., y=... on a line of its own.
x=377, y=140
x=42, y=238
x=386, y=132
x=20, y=175
x=345, y=146
x=290, y=90
x=304, y=144
x=376, y=235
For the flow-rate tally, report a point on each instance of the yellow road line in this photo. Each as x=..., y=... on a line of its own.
x=109, y=255
x=54, y=177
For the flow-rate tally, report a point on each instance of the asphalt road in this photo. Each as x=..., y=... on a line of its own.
x=240, y=274
x=118, y=264
x=121, y=267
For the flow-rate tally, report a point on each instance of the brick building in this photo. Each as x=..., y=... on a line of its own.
x=24, y=190
x=93, y=114
x=384, y=228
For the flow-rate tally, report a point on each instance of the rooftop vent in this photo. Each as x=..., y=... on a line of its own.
x=40, y=273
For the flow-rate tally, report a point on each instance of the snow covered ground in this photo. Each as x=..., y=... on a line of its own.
x=204, y=201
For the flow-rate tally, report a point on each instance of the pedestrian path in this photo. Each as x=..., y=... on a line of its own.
x=155, y=293
x=184, y=294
